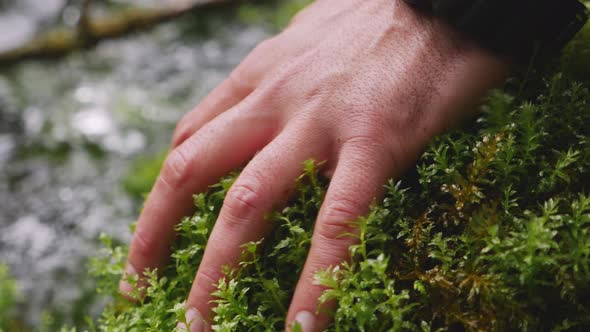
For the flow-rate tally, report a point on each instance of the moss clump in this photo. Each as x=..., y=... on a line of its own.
x=490, y=232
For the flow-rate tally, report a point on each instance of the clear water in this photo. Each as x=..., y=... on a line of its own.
x=69, y=130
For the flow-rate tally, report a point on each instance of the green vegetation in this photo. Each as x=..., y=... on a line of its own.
x=8, y=298
x=490, y=232
x=276, y=14
x=142, y=174
x=577, y=56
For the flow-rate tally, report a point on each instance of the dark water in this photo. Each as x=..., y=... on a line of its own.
x=69, y=130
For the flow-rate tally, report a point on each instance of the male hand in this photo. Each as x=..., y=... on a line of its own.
x=360, y=84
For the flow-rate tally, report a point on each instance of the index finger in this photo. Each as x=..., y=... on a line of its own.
x=219, y=147
x=359, y=178
x=263, y=185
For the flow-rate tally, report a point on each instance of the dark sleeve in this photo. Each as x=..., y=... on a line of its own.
x=516, y=28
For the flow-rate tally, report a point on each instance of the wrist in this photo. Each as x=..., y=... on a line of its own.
x=421, y=64
x=442, y=33
x=464, y=70
x=523, y=31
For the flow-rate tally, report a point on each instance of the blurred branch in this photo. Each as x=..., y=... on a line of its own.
x=63, y=41
x=84, y=23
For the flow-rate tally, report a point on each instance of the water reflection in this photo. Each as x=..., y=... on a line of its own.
x=68, y=132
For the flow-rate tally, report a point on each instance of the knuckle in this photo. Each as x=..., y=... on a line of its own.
x=334, y=231
x=362, y=141
x=243, y=201
x=143, y=245
x=297, y=18
x=277, y=87
x=283, y=84
x=181, y=133
x=371, y=124
x=341, y=211
x=240, y=81
x=265, y=45
x=280, y=85
x=175, y=170
x=207, y=279
x=338, y=218
x=254, y=66
x=366, y=144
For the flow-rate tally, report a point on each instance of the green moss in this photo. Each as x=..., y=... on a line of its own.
x=489, y=232
x=142, y=174
x=275, y=13
x=8, y=299
x=577, y=56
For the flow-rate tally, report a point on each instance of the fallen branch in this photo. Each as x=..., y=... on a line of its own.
x=84, y=23
x=63, y=41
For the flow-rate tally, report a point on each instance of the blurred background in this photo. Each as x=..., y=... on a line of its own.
x=90, y=92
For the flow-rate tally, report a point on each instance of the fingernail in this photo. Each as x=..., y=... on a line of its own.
x=194, y=320
x=307, y=321
x=124, y=286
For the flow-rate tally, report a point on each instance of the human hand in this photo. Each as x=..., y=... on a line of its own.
x=360, y=84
